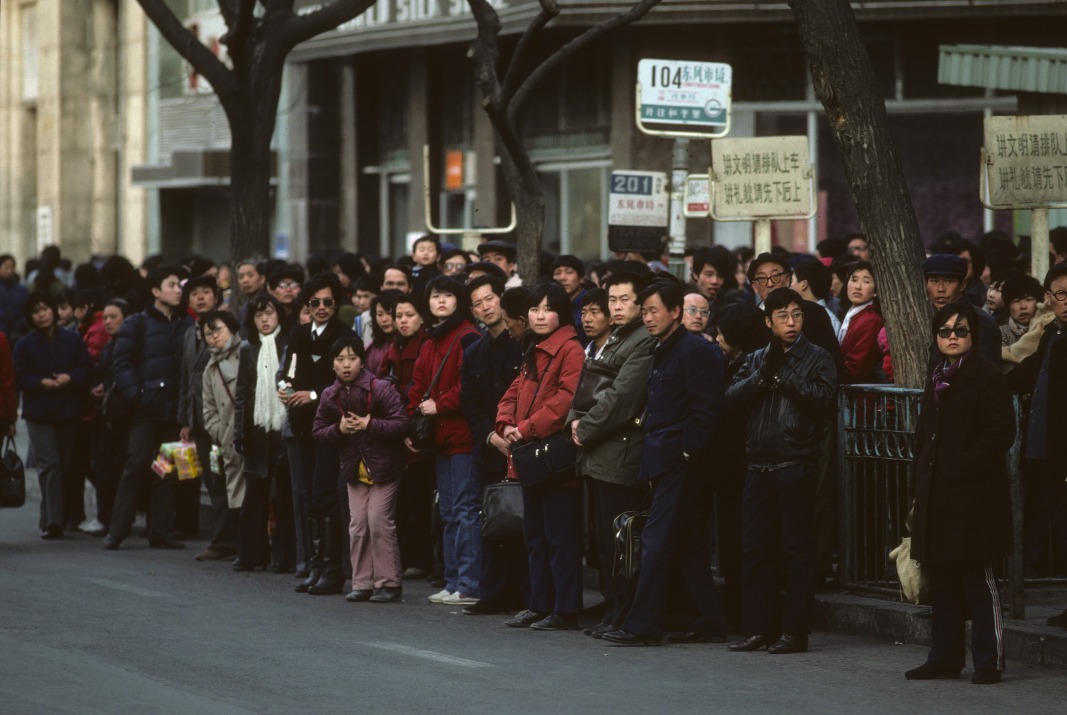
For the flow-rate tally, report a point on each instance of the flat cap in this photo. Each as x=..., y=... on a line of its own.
x=945, y=264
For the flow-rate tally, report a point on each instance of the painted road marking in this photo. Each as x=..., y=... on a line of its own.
x=429, y=655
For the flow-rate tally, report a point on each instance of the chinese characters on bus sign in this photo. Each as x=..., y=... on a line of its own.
x=638, y=210
x=1026, y=160
x=680, y=92
x=761, y=177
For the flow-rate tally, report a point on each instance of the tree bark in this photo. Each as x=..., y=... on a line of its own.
x=249, y=93
x=845, y=82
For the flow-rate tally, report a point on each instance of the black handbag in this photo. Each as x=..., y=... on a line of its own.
x=421, y=427
x=502, y=507
x=12, y=477
x=544, y=460
x=629, y=527
x=597, y=377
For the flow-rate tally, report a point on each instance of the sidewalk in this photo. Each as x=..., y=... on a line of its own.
x=1027, y=641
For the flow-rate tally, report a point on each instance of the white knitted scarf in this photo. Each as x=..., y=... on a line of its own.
x=269, y=411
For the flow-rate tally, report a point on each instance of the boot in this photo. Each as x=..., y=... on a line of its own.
x=314, y=560
x=332, y=577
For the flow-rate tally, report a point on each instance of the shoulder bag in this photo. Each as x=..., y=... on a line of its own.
x=421, y=427
x=12, y=476
x=597, y=377
x=543, y=460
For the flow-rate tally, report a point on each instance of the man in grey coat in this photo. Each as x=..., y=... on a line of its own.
x=610, y=436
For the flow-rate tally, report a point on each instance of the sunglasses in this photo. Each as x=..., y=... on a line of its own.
x=316, y=302
x=946, y=333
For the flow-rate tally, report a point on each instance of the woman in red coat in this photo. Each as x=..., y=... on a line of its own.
x=435, y=392
x=533, y=408
x=860, y=353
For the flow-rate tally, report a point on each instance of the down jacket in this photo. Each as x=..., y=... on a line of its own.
x=148, y=362
x=381, y=446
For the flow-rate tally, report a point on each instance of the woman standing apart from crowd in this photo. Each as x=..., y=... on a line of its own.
x=459, y=489
x=366, y=417
x=962, y=520
x=860, y=353
x=533, y=408
x=52, y=369
x=259, y=418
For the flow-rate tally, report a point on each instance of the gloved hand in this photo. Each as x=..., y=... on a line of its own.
x=774, y=361
x=239, y=446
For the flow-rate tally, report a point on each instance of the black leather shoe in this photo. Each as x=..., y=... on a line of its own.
x=387, y=594
x=621, y=637
x=985, y=676
x=332, y=581
x=789, y=643
x=750, y=644
x=557, y=623
x=239, y=565
x=931, y=671
x=359, y=595
x=694, y=637
x=524, y=619
x=485, y=608
x=313, y=577
x=599, y=630
x=53, y=531
x=111, y=543
x=165, y=544
x=1060, y=620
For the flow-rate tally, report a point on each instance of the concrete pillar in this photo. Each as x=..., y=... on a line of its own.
x=134, y=84
x=483, y=143
x=349, y=237
x=418, y=135
x=298, y=164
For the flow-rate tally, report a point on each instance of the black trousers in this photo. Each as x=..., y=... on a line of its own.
x=252, y=545
x=111, y=440
x=552, y=530
x=138, y=478
x=777, y=518
x=1044, y=508
x=414, y=504
x=283, y=540
x=958, y=591
x=79, y=469
x=223, y=530
x=727, y=481
x=676, y=533
x=607, y=501
x=326, y=482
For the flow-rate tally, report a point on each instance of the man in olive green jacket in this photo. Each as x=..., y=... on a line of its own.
x=610, y=436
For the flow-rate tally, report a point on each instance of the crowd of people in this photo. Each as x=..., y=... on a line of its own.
x=348, y=413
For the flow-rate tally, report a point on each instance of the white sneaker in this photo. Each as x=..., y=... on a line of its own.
x=458, y=599
x=92, y=526
x=441, y=596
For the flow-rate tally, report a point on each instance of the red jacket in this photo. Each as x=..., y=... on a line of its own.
x=451, y=434
x=541, y=411
x=96, y=337
x=860, y=352
x=9, y=396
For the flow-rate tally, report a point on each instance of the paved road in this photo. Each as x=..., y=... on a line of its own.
x=88, y=631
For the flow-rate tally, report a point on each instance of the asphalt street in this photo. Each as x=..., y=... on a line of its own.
x=85, y=631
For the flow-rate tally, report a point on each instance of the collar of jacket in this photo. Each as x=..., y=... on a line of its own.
x=800, y=348
x=557, y=340
x=502, y=339
x=156, y=314
x=226, y=350
x=443, y=330
x=661, y=348
x=363, y=381
x=623, y=331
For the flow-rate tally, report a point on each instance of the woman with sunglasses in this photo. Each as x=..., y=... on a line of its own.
x=962, y=506
x=303, y=376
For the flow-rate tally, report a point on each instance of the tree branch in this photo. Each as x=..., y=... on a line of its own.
x=485, y=50
x=190, y=48
x=634, y=14
x=549, y=10
x=242, y=24
x=303, y=27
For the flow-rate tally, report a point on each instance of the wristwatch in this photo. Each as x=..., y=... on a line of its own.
x=313, y=395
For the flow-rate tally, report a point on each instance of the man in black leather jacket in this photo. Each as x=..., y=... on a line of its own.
x=788, y=390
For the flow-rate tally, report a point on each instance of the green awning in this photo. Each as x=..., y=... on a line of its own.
x=1021, y=69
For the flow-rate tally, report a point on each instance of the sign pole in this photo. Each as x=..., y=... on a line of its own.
x=679, y=172
x=762, y=243
x=1039, y=243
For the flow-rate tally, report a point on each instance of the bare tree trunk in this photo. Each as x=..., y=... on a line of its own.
x=529, y=214
x=846, y=84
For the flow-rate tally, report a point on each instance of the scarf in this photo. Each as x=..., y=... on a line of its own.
x=943, y=373
x=269, y=412
x=848, y=320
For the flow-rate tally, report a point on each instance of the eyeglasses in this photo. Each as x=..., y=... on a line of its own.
x=695, y=311
x=1060, y=295
x=288, y=285
x=455, y=266
x=316, y=302
x=772, y=278
x=946, y=333
x=796, y=317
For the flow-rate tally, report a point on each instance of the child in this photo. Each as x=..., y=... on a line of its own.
x=425, y=252
x=366, y=416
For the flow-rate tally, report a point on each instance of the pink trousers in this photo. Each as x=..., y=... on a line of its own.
x=372, y=535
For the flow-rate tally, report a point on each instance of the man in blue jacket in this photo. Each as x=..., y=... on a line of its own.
x=684, y=408
x=147, y=372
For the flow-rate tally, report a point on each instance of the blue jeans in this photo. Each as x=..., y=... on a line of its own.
x=459, y=491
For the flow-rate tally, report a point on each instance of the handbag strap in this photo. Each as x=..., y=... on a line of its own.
x=437, y=375
x=225, y=386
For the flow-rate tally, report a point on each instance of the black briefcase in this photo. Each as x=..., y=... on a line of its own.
x=502, y=507
x=12, y=477
x=629, y=526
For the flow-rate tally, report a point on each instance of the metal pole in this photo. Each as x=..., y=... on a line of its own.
x=763, y=236
x=679, y=172
x=1039, y=243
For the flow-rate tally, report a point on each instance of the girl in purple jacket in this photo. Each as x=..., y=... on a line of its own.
x=367, y=417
